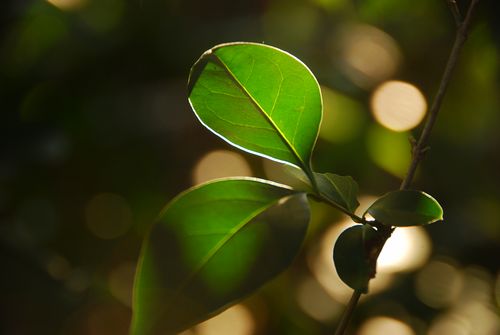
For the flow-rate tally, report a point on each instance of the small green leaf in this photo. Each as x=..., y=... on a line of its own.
x=406, y=208
x=212, y=246
x=342, y=190
x=259, y=99
x=350, y=256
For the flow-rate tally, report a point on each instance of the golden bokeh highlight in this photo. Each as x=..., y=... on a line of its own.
x=398, y=105
x=368, y=54
x=439, y=283
x=343, y=117
x=497, y=289
x=474, y=311
x=236, y=320
x=121, y=282
x=315, y=302
x=108, y=216
x=220, y=164
x=68, y=4
x=450, y=324
x=407, y=249
x=386, y=326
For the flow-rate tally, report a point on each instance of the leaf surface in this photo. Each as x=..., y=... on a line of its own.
x=260, y=99
x=351, y=259
x=404, y=208
x=212, y=246
x=342, y=190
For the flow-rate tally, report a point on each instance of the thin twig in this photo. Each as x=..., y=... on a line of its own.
x=420, y=147
x=452, y=4
x=346, y=317
x=319, y=197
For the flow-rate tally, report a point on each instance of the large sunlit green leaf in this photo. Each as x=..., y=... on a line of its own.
x=260, y=99
x=211, y=246
x=351, y=259
x=406, y=208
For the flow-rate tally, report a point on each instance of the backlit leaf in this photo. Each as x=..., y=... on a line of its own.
x=212, y=246
x=342, y=190
x=260, y=99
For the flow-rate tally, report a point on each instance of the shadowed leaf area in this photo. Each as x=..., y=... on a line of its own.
x=213, y=245
x=406, y=208
x=351, y=257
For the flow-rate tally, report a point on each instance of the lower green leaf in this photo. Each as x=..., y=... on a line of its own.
x=212, y=246
x=351, y=258
x=404, y=208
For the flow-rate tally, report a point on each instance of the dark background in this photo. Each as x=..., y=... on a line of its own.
x=96, y=135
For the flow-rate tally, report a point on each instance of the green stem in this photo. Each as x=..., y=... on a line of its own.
x=420, y=147
x=319, y=197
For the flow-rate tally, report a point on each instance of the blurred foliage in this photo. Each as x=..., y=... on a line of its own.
x=96, y=130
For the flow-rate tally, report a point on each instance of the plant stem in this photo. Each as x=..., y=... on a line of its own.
x=346, y=317
x=318, y=196
x=420, y=147
x=452, y=4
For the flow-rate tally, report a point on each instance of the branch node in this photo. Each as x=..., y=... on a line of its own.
x=424, y=150
x=413, y=141
x=452, y=4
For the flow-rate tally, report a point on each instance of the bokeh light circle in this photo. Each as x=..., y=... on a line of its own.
x=398, y=105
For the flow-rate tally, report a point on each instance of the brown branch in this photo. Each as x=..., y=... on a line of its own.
x=421, y=146
x=419, y=149
x=452, y=4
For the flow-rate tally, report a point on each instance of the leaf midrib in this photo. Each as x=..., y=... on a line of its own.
x=259, y=108
x=233, y=232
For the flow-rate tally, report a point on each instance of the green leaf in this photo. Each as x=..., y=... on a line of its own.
x=259, y=99
x=342, y=190
x=406, y=208
x=212, y=246
x=350, y=256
